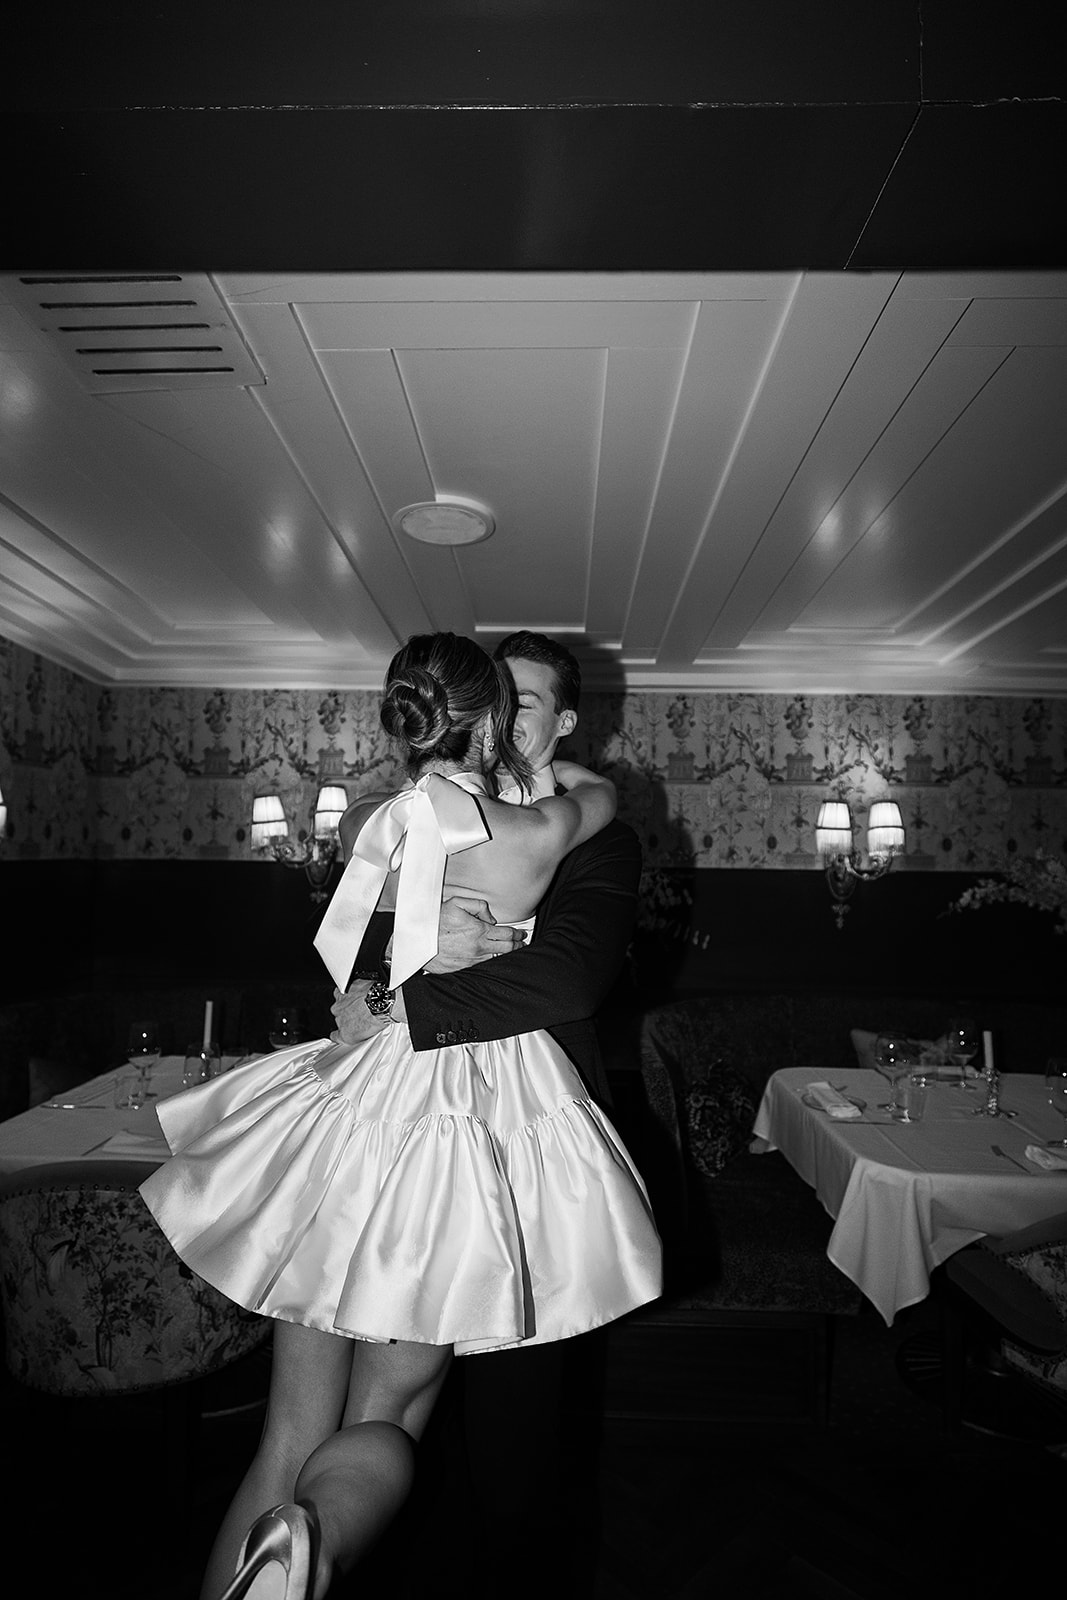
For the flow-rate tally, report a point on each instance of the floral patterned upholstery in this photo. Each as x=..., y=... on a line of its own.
x=95, y=1301
x=751, y=1032
x=1039, y=1256
x=1049, y=1266
x=741, y=1232
x=1020, y=1281
x=715, y=1099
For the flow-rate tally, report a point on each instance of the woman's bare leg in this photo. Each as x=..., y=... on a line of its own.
x=358, y=1479
x=309, y=1386
x=342, y=1416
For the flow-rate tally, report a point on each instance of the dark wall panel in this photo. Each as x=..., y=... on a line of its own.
x=98, y=946
x=109, y=924
x=101, y=924
x=760, y=931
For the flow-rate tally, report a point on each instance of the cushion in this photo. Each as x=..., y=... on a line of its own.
x=719, y=1110
x=753, y=1032
x=932, y=1050
x=863, y=1044
x=1046, y=1266
x=48, y=1078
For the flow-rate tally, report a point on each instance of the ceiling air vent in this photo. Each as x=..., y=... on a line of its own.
x=122, y=331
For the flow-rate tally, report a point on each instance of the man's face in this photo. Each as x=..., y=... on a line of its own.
x=538, y=725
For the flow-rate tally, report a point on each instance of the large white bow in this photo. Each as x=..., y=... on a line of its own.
x=417, y=830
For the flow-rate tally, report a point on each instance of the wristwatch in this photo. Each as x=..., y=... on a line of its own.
x=379, y=1000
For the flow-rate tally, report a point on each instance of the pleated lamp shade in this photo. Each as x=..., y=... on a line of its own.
x=833, y=830
x=330, y=807
x=268, y=820
x=885, y=829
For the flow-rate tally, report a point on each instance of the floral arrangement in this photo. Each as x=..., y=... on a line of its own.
x=1039, y=881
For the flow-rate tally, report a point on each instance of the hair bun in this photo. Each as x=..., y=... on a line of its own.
x=415, y=710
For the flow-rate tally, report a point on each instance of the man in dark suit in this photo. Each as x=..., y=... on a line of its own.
x=584, y=922
x=531, y=1488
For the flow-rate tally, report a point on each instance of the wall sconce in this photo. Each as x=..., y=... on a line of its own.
x=316, y=854
x=844, y=867
x=3, y=817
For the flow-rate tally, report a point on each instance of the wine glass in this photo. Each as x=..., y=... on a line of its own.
x=893, y=1056
x=286, y=1025
x=202, y=1061
x=142, y=1052
x=961, y=1042
x=1056, y=1081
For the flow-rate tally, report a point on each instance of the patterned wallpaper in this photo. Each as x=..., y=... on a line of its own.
x=712, y=780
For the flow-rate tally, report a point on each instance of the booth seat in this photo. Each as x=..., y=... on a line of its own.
x=744, y=1236
x=1019, y=1280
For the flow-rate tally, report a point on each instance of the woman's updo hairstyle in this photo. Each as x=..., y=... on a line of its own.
x=439, y=688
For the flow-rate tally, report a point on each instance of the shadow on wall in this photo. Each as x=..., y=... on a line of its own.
x=643, y=801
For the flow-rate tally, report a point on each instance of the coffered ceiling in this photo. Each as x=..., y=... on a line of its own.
x=754, y=480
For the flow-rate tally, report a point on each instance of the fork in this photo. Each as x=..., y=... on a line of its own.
x=997, y=1151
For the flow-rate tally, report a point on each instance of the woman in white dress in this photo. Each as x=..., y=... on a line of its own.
x=392, y=1207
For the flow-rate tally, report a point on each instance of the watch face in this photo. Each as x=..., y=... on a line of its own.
x=378, y=1000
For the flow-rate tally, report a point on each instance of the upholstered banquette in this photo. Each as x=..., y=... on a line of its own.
x=745, y=1238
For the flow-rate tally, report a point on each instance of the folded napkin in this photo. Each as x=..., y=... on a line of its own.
x=1049, y=1159
x=826, y=1097
x=133, y=1144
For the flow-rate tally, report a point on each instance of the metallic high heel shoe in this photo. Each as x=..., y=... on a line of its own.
x=287, y=1536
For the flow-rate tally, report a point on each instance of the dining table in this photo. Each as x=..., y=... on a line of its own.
x=905, y=1196
x=85, y=1123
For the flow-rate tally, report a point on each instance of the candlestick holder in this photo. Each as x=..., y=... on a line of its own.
x=992, y=1107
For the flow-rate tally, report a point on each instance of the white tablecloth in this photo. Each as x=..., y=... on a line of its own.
x=85, y=1122
x=907, y=1196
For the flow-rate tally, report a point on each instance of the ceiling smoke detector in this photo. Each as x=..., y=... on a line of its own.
x=445, y=521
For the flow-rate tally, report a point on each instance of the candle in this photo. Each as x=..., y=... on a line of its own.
x=208, y=1009
x=987, y=1051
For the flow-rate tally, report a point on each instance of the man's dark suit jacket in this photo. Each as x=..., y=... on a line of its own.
x=584, y=925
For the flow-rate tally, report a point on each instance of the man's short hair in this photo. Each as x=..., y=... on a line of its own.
x=526, y=646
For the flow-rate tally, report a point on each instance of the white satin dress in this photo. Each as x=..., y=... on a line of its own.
x=471, y=1195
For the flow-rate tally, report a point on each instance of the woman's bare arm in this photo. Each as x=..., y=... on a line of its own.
x=594, y=794
x=513, y=868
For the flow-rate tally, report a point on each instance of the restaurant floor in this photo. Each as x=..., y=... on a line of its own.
x=881, y=1501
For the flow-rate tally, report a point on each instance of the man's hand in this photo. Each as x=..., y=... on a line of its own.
x=354, y=1022
x=468, y=934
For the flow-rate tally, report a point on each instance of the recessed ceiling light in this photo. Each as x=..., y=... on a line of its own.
x=445, y=521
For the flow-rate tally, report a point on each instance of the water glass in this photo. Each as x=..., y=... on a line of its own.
x=202, y=1061
x=909, y=1097
x=286, y=1027
x=1056, y=1083
x=130, y=1091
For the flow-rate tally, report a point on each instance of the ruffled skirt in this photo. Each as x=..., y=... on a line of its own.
x=471, y=1195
